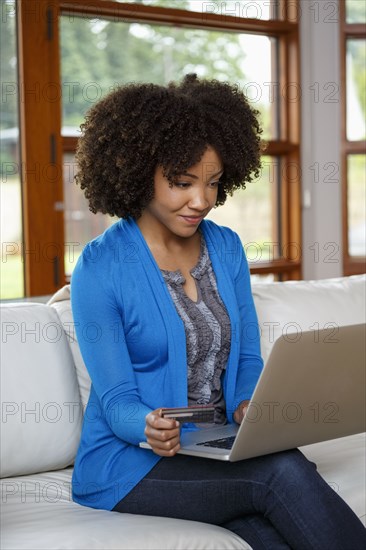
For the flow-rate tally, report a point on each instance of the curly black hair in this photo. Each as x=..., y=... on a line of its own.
x=138, y=127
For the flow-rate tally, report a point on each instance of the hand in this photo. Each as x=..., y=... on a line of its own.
x=241, y=411
x=162, y=434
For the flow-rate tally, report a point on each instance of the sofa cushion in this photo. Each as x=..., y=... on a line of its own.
x=37, y=513
x=62, y=304
x=293, y=307
x=341, y=462
x=283, y=308
x=41, y=410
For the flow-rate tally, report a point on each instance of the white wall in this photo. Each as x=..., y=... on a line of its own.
x=320, y=140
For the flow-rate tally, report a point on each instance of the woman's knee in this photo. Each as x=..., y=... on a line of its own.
x=291, y=475
x=292, y=464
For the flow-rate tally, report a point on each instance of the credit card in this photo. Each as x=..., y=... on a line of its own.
x=195, y=414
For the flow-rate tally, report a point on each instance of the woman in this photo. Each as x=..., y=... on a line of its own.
x=161, y=303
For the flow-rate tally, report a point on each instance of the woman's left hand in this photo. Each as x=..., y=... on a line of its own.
x=240, y=411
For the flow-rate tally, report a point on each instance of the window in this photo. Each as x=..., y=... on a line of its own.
x=353, y=65
x=87, y=48
x=12, y=273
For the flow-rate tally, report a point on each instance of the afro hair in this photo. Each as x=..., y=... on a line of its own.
x=138, y=127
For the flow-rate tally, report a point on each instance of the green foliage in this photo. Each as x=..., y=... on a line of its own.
x=357, y=49
x=355, y=11
x=11, y=280
x=8, y=67
x=97, y=55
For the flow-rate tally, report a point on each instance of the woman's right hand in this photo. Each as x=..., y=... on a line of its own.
x=162, y=434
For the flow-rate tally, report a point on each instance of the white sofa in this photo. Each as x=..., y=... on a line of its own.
x=44, y=387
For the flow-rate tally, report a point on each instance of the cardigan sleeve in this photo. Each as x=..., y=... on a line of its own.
x=100, y=333
x=250, y=360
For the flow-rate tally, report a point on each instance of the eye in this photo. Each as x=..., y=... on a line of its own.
x=182, y=184
x=214, y=183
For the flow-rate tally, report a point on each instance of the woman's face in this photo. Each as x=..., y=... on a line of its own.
x=178, y=210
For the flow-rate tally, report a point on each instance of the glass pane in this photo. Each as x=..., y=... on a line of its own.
x=251, y=212
x=97, y=55
x=355, y=11
x=356, y=203
x=257, y=9
x=356, y=89
x=12, y=275
x=81, y=225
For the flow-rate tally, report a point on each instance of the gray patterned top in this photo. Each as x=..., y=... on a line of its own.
x=207, y=328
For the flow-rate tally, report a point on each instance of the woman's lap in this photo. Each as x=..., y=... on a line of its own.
x=208, y=482
x=279, y=495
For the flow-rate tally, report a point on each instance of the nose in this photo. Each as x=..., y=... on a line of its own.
x=199, y=199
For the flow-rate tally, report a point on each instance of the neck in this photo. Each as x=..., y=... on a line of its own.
x=157, y=236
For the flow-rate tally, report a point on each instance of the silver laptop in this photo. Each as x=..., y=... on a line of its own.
x=311, y=389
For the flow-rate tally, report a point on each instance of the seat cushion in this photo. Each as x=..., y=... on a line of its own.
x=37, y=513
x=341, y=462
x=41, y=409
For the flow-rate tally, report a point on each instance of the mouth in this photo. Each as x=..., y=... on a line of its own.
x=193, y=220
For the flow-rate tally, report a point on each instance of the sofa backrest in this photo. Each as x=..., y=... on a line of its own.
x=294, y=307
x=60, y=302
x=45, y=385
x=41, y=415
x=288, y=308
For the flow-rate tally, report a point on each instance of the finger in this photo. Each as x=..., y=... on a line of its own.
x=163, y=424
x=239, y=414
x=163, y=441
x=163, y=428
x=161, y=435
x=166, y=454
x=165, y=445
x=167, y=448
x=156, y=421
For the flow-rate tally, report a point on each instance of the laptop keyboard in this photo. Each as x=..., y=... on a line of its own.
x=222, y=443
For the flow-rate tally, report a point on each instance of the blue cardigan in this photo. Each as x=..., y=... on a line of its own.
x=133, y=343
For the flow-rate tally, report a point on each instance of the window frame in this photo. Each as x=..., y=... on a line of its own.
x=40, y=124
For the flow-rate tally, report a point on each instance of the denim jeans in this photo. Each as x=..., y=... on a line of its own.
x=273, y=502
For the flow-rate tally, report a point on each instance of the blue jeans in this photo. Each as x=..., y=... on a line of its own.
x=273, y=502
